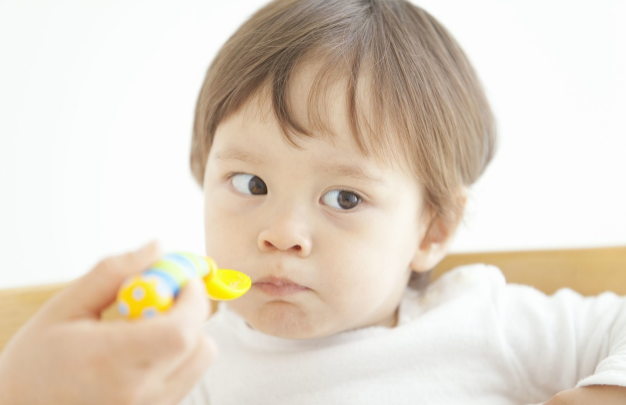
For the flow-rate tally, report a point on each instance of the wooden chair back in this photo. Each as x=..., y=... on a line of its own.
x=588, y=271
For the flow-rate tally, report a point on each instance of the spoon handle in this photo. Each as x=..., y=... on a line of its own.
x=154, y=291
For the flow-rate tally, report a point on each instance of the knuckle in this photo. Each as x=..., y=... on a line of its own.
x=108, y=266
x=180, y=339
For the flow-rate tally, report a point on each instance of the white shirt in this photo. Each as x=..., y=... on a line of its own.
x=469, y=338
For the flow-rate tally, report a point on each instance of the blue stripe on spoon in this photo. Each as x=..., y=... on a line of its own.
x=167, y=278
x=183, y=263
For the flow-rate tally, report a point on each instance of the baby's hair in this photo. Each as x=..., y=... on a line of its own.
x=426, y=108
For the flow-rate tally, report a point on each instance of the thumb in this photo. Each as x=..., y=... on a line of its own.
x=88, y=296
x=192, y=305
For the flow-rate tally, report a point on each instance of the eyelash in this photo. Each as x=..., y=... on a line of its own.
x=230, y=175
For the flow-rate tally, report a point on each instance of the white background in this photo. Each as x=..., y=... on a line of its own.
x=97, y=101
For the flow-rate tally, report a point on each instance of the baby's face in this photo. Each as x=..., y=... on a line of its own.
x=326, y=235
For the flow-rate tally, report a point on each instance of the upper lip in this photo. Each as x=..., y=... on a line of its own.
x=276, y=281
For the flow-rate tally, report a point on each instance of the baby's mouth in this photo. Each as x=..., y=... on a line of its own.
x=278, y=286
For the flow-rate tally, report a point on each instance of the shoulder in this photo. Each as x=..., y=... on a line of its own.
x=479, y=278
x=485, y=285
x=464, y=286
x=477, y=274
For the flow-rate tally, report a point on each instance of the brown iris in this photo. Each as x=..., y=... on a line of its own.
x=347, y=200
x=257, y=186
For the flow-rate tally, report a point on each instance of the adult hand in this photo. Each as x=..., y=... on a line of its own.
x=66, y=355
x=594, y=394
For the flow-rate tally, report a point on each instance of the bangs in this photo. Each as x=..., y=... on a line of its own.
x=345, y=77
x=412, y=97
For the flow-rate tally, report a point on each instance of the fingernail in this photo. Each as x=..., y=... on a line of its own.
x=195, y=282
x=152, y=245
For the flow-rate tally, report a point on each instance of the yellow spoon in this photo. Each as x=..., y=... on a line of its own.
x=154, y=291
x=225, y=284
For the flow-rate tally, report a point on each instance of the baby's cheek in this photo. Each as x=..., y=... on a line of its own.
x=224, y=244
x=349, y=300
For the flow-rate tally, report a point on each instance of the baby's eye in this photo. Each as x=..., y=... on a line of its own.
x=248, y=184
x=341, y=199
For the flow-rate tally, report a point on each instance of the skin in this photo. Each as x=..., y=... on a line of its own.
x=295, y=230
x=66, y=355
x=595, y=394
x=355, y=262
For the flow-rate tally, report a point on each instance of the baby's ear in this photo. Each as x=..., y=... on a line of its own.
x=435, y=242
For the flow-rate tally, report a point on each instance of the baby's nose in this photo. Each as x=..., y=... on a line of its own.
x=285, y=234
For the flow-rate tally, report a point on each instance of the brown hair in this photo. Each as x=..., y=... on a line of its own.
x=427, y=104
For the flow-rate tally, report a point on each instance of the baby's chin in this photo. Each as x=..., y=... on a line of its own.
x=284, y=320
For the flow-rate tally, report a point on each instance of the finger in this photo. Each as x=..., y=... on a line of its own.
x=192, y=305
x=92, y=293
x=190, y=313
x=187, y=374
x=166, y=338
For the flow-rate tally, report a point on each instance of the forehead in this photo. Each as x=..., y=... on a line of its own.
x=252, y=135
x=320, y=105
x=315, y=104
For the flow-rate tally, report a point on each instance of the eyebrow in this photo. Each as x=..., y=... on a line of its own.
x=338, y=170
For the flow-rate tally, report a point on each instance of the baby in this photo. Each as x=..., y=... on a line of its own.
x=335, y=142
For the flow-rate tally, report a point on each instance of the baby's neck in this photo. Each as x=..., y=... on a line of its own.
x=390, y=322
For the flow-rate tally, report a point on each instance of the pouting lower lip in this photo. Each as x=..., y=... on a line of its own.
x=279, y=288
x=276, y=281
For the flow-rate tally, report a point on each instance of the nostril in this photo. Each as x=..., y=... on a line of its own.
x=270, y=244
